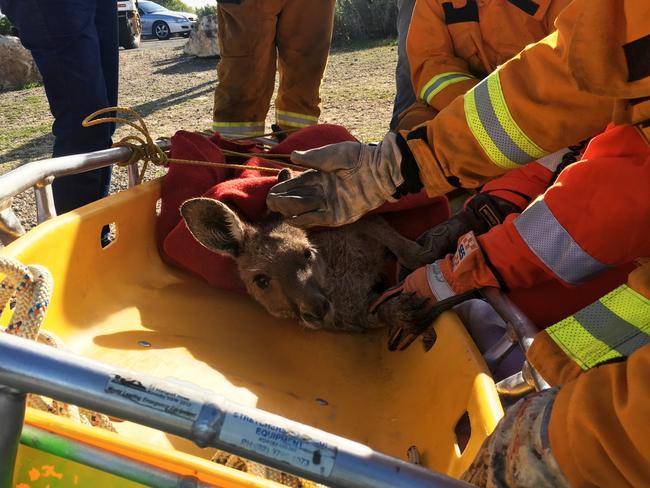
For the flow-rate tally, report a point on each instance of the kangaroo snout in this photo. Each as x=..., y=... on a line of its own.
x=315, y=313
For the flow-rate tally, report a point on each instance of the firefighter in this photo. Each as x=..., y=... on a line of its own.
x=452, y=45
x=254, y=36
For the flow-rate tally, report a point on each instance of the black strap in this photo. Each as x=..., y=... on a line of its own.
x=527, y=6
x=468, y=13
x=409, y=169
x=637, y=55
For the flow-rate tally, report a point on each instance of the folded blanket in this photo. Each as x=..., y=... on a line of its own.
x=245, y=192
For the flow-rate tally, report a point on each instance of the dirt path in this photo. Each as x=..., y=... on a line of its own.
x=173, y=91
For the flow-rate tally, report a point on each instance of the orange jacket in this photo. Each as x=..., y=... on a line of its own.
x=595, y=216
x=452, y=44
x=562, y=89
x=599, y=430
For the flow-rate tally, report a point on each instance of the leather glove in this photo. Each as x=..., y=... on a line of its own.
x=518, y=452
x=351, y=180
x=444, y=284
x=481, y=213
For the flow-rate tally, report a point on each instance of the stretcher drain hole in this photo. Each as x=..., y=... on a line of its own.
x=108, y=235
x=322, y=402
x=463, y=431
x=144, y=344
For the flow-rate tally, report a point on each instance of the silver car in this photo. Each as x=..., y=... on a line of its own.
x=158, y=21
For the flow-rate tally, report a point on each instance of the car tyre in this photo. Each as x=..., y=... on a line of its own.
x=161, y=30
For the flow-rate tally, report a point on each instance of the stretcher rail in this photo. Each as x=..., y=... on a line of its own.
x=40, y=175
x=203, y=417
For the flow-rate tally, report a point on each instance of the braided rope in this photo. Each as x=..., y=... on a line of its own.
x=143, y=148
x=28, y=290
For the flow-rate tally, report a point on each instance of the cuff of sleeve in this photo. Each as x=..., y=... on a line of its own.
x=430, y=173
x=447, y=95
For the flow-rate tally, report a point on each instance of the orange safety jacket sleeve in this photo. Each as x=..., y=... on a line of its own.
x=595, y=216
x=437, y=74
x=529, y=107
x=599, y=430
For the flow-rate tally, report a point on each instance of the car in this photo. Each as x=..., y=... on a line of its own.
x=162, y=23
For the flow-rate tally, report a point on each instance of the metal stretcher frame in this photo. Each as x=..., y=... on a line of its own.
x=27, y=367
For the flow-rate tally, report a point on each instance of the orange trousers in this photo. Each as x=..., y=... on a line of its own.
x=254, y=37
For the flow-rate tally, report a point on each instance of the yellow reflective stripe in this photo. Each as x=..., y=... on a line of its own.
x=439, y=82
x=491, y=123
x=239, y=128
x=613, y=327
x=298, y=115
x=575, y=341
x=508, y=123
x=630, y=306
x=476, y=126
x=238, y=124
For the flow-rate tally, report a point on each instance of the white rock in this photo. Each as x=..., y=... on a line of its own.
x=203, y=38
x=17, y=66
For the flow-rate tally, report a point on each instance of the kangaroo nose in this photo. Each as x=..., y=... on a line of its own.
x=316, y=312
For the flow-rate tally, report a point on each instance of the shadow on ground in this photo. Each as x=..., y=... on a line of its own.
x=184, y=65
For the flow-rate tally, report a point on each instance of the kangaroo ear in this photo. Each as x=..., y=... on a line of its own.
x=215, y=226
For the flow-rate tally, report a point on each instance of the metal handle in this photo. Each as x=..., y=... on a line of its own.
x=518, y=324
x=205, y=418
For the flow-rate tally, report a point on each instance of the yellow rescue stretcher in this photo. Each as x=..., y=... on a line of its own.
x=177, y=363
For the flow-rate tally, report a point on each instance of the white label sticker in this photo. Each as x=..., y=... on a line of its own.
x=278, y=443
x=153, y=396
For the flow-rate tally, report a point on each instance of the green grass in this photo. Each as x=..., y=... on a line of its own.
x=360, y=45
x=13, y=137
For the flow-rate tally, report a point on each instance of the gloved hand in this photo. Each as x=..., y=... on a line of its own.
x=445, y=283
x=518, y=452
x=352, y=179
x=482, y=212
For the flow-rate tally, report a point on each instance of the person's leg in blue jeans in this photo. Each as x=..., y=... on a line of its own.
x=404, y=96
x=75, y=46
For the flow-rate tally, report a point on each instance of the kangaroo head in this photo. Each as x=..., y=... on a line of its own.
x=278, y=264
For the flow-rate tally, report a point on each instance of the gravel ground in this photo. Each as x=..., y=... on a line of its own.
x=173, y=91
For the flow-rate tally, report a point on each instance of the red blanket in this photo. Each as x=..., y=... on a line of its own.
x=245, y=191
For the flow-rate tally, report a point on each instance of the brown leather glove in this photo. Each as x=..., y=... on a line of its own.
x=445, y=283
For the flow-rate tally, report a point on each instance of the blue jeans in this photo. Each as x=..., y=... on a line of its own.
x=75, y=46
x=404, y=96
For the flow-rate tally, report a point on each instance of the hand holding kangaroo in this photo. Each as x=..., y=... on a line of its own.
x=326, y=279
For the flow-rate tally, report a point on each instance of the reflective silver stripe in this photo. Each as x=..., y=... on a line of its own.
x=552, y=161
x=439, y=286
x=554, y=246
x=612, y=330
x=291, y=120
x=493, y=127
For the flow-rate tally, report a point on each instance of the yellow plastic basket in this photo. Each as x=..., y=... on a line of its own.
x=122, y=305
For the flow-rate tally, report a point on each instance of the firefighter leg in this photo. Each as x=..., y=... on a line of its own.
x=246, y=71
x=304, y=36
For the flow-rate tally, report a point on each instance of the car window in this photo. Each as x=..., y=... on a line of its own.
x=151, y=7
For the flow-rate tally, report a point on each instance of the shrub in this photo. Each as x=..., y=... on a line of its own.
x=175, y=5
x=6, y=28
x=207, y=10
x=364, y=19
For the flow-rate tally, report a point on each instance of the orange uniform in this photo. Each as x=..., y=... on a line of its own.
x=256, y=37
x=555, y=92
x=453, y=44
x=594, y=217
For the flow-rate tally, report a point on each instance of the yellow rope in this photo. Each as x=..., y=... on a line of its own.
x=30, y=289
x=143, y=148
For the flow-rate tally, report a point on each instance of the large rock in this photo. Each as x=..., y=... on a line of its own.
x=203, y=38
x=17, y=67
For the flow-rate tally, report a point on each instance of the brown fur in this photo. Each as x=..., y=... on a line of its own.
x=324, y=279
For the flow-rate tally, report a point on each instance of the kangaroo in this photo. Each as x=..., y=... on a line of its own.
x=326, y=279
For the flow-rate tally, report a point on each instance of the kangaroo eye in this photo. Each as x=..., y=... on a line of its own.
x=309, y=254
x=262, y=281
